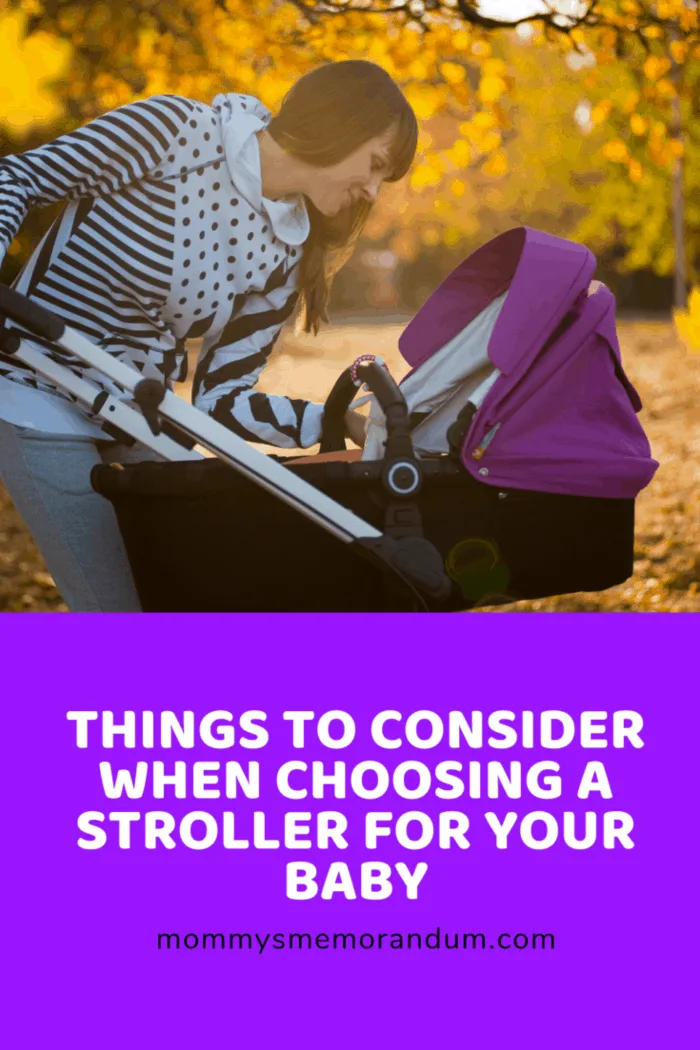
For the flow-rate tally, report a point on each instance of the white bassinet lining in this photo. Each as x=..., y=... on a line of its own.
x=457, y=373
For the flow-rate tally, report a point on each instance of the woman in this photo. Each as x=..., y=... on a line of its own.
x=184, y=221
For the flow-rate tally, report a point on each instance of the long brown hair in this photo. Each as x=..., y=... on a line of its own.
x=326, y=116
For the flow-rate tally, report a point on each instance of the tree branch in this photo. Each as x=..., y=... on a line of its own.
x=590, y=17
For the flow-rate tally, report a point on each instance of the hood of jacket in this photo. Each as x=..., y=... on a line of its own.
x=241, y=117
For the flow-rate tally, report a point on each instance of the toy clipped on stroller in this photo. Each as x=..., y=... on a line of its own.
x=505, y=466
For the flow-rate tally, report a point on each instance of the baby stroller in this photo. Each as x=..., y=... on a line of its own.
x=528, y=492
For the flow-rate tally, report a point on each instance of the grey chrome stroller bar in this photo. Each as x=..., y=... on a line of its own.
x=166, y=423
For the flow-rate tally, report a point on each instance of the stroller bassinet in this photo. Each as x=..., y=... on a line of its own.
x=193, y=546
x=534, y=496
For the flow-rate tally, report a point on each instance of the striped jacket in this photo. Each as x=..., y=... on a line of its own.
x=166, y=236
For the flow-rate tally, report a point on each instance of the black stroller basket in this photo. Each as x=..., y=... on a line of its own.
x=201, y=538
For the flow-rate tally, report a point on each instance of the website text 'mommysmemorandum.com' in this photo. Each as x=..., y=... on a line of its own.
x=435, y=940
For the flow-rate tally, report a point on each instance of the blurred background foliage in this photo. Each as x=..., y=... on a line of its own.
x=576, y=123
x=582, y=120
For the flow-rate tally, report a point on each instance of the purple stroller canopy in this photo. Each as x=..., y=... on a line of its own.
x=564, y=411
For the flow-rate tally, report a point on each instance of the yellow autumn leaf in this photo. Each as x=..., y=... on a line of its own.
x=655, y=67
x=288, y=15
x=665, y=88
x=28, y=65
x=147, y=46
x=419, y=178
x=638, y=124
x=460, y=154
x=489, y=142
x=615, y=150
x=247, y=76
x=424, y=100
x=669, y=8
x=660, y=156
x=491, y=88
x=424, y=175
x=601, y=112
x=688, y=18
x=497, y=165
x=632, y=101
x=457, y=188
x=271, y=89
x=377, y=48
x=376, y=20
x=500, y=117
x=407, y=46
x=435, y=163
x=441, y=34
x=679, y=50
x=687, y=323
x=452, y=72
x=481, y=120
x=419, y=69
x=635, y=170
x=494, y=67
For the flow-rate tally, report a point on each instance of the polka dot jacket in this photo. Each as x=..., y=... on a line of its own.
x=165, y=236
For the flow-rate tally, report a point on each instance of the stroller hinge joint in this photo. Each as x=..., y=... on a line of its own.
x=148, y=395
x=10, y=342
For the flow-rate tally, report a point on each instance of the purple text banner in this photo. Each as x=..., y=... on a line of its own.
x=541, y=915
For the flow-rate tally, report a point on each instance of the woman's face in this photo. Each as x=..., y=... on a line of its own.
x=358, y=176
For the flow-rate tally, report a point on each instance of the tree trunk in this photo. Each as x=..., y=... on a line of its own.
x=680, y=277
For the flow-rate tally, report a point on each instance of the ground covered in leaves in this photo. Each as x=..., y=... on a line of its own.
x=667, y=558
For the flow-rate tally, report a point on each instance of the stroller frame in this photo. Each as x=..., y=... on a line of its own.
x=166, y=423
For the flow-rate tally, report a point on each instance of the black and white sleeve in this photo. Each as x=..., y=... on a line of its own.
x=106, y=155
x=229, y=366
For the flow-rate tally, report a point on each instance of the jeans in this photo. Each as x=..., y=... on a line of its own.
x=48, y=479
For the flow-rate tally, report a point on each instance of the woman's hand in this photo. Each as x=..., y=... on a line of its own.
x=355, y=424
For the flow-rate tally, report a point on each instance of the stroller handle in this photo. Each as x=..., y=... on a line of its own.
x=383, y=386
x=35, y=318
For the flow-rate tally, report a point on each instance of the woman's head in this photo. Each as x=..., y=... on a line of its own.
x=352, y=128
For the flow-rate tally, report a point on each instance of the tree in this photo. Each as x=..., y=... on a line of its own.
x=198, y=46
x=459, y=70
